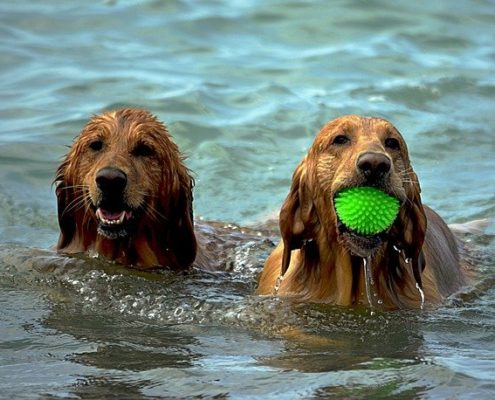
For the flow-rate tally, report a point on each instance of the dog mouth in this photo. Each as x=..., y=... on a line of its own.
x=357, y=244
x=114, y=224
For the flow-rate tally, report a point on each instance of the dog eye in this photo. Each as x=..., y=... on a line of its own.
x=392, y=144
x=96, y=145
x=341, y=139
x=143, y=150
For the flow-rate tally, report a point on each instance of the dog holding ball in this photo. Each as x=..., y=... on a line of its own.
x=354, y=229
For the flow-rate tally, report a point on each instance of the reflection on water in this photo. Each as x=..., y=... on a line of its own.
x=243, y=87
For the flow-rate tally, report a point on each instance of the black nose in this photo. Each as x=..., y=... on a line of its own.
x=374, y=166
x=111, y=180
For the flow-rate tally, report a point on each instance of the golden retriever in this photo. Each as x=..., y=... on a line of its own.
x=124, y=193
x=320, y=260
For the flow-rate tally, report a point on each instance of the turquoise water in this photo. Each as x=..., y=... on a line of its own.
x=243, y=86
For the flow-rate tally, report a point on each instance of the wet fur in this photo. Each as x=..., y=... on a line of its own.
x=319, y=263
x=159, y=189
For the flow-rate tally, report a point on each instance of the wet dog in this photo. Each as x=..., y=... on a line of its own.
x=124, y=193
x=321, y=260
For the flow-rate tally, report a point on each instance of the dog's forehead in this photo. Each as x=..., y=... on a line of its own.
x=357, y=123
x=123, y=126
x=379, y=125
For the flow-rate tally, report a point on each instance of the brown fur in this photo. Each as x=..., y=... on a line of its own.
x=319, y=263
x=159, y=189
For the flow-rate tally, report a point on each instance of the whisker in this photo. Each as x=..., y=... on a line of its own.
x=154, y=214
x=74, y=187
x=151, y=214
x=406, y=170
x=78, y=202
x=74, y=203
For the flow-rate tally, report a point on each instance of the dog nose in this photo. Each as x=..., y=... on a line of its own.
x=111, y=180
x=374, y=166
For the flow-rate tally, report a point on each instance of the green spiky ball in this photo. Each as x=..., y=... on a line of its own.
x=366, y=210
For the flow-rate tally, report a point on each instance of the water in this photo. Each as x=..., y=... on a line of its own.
x=243, y=86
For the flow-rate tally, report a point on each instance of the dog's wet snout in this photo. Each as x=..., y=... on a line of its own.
x=374, y=166
x=111, y=181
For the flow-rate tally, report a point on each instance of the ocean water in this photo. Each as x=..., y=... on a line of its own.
x=243, y=87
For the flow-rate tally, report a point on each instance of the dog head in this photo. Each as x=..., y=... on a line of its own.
x=123, y=184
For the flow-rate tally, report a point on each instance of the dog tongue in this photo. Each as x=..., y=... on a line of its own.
x=110, y=216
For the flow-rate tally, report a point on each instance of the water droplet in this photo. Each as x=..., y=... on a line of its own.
x=368, y=279
x=422, y=294
x=178, y=311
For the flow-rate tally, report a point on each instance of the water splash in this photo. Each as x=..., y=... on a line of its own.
x=278, y=282
x=422, y=294
x=418, y=286
x=368, y=279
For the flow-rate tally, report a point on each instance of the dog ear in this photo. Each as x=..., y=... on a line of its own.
x=181, y=238
x=297, y=216
x=409, y=230
x=413, y=218
x=65, y=206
